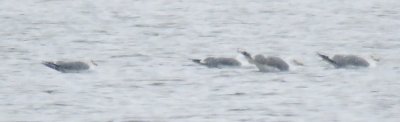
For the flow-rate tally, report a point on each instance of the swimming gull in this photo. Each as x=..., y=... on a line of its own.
x=70, y=66
x=218, y=62
x=343, y=61
x=266, y=64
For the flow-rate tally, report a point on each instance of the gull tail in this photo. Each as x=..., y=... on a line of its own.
x=51, y=65
x=327, y=59
x=198, y=61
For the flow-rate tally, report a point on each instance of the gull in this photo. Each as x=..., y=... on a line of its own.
x=344, y=61
x=218, y=62
x=266, y=64
x=70, y=66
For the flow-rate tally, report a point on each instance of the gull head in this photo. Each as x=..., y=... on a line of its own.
x=375, y=58
x=93, y=63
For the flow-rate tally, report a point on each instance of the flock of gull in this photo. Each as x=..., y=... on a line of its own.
x=277, y=64
x=263, y=63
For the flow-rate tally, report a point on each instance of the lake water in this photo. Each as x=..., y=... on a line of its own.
x=143, y=49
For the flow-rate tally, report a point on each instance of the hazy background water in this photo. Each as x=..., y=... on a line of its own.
x=143, y=46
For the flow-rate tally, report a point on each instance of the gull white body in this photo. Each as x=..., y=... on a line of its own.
x=347, y=61
x=218, y=62
x=266, y=64
x=70, y=66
